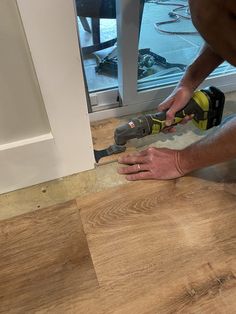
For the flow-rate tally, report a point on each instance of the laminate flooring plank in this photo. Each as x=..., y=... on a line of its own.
x=45, y=264
x=165, y=246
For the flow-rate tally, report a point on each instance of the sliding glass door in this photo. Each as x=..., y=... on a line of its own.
x=135, y=52
x=153, y=57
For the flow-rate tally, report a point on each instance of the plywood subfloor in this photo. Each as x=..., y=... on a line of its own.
x=166, y=247
x=45, y=265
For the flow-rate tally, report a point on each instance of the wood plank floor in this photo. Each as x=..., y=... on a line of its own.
x=157, y=247
x=165, y=247
x=45, y=264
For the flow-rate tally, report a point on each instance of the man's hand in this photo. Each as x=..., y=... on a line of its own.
x=152, y=163
x=163, y=163
x=175, y=102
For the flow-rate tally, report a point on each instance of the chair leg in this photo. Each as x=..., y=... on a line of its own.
x=101, y=46
x=97, y=45
x=96, y=31
x=85, y=24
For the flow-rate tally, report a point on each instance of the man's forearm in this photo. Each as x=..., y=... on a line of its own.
x=215, y=148
x=204, y=64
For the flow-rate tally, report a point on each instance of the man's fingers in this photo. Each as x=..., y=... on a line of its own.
x=133, y=169
x=139, y=176
x=132, y=159
x=170, y=115
x=172, y=129
x=169, y=130
x=137, y=154
x=187, y=119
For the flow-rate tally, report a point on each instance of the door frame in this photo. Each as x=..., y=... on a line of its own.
x=51, y=32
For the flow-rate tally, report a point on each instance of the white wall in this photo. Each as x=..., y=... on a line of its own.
x=22, y=112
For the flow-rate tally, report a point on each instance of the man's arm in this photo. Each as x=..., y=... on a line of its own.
x=163, y=163
x=216, y=22
x=215, y=148
x=206, y=62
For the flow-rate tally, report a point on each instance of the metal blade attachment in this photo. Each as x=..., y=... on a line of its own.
x=111, y=150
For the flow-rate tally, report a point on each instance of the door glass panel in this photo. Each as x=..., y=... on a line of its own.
x=97, y=32
x=168, y=43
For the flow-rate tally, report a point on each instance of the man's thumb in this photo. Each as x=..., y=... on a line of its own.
x=170, y=115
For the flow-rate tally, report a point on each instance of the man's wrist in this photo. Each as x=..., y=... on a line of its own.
x=185, y=161
x=178, y=163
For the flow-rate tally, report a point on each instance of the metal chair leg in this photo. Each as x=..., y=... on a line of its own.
x=96, y=31
x=85, y=24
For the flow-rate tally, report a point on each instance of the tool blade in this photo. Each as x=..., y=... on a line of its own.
x=111, y=150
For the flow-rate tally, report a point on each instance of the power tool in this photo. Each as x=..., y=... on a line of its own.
x=147, y=64
x=206, y=106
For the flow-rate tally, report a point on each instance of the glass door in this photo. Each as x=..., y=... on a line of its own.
x=98, y=41
x=135, y=51
x=156, y=42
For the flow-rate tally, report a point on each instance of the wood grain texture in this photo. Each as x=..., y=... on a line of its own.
x=165, y=247
x=45, y=264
